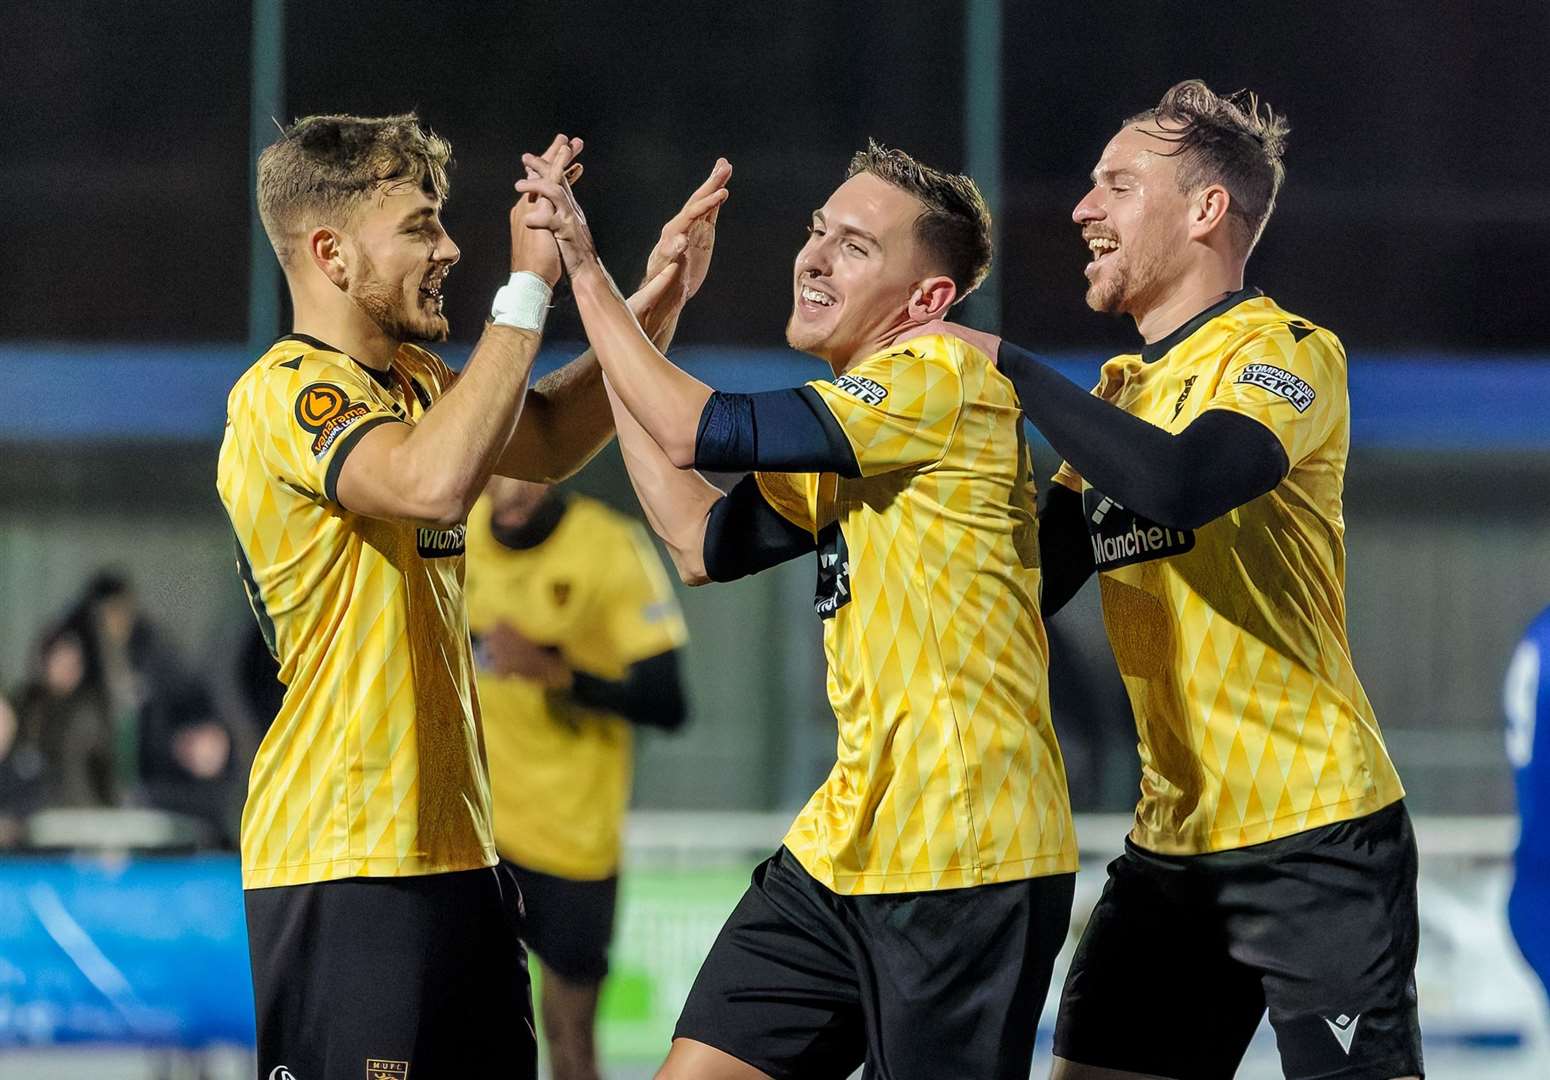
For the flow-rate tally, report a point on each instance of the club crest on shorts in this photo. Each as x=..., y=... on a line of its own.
x=383, y=1069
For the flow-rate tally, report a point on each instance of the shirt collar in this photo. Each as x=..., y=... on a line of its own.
x=1160, y=348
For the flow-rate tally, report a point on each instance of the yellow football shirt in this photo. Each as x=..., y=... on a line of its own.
x=947, y=773
x=560, y=772
x=1231, y=638
x=374, y=765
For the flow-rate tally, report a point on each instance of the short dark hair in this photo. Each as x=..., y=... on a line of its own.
x=954, y=227
x=1233, y=140
x=321, y=167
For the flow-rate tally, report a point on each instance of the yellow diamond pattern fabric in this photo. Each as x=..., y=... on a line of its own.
x=560, y=773
x=947, y=773
x=1252, y=722
x=374, y=765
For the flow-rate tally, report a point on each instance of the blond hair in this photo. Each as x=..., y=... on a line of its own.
x=322, y=167
x=1234, y=140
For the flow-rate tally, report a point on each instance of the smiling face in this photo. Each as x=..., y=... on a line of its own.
x=399, y=254
x=855, y=276
x=1135, y=223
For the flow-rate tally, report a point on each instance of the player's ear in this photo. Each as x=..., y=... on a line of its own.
x=931, y=298
x=326, y=248
x=1208, y=211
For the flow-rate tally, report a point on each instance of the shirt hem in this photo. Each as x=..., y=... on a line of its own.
x=569, y=871
x=1064, y=862
x=312, y=873
x=1345, y=811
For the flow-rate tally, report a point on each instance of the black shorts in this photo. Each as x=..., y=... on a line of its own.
x=424, y=976
x=805, y=983
x=1184, y=954
x=569, y=923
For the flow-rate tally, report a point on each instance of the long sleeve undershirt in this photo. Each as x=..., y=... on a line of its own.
x=650, y=694
x=777, y=431
x=1065, y=552
x=1216, y=464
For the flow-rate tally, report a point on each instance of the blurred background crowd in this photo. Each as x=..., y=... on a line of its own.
x=109, y=714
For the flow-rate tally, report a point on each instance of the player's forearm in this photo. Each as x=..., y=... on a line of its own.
x=665, y=400
x=566, y=418
x=443, y=463
x=1218, y=463
x=677, y=501
x=1121, y=455
x=565, y=421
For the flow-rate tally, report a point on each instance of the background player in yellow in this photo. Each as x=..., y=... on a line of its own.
x=912, y=917
x=350, y=460
x=1272, y=862
x=577, y=637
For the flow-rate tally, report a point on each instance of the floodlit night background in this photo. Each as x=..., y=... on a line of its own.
x=1414, y=222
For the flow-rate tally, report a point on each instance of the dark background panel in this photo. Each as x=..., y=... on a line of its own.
x=124, y=170
x=1417, y=209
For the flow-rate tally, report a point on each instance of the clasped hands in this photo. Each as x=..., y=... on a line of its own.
x=678, y=263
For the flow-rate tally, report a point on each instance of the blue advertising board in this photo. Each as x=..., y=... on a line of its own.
x=143, y=950
x=1399, y=401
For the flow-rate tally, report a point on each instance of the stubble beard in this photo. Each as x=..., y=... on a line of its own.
x=802, y=339
x=1105, y=294
x=398, y=320
x=1128, y=286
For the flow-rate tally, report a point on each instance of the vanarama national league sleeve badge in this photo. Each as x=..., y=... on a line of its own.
x=325, y=410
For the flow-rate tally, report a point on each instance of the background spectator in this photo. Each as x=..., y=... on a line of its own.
x=61, y=712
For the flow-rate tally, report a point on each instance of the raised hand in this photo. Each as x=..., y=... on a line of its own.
x=533, y=249
x=691, y=233
x=554, y=211
x=662, y=293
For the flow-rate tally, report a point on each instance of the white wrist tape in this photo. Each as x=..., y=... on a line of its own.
x=523, y=302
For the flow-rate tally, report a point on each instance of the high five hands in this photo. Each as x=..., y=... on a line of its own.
x=531, y=249
x=690, y=234
x=682, y=254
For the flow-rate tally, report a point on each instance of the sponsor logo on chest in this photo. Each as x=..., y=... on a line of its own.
x=1178, y=406
x=1121, y=537
x=833, y=590
x=441, y=543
